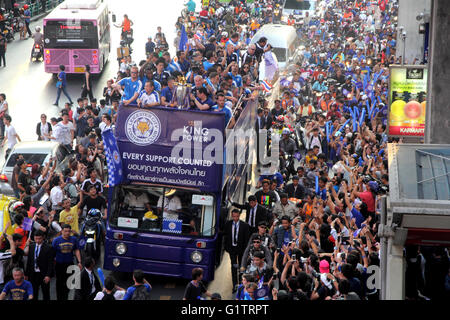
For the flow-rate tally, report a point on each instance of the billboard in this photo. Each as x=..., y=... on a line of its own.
x=171, y=147
x=407, y=101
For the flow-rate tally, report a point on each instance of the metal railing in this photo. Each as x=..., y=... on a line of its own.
x=39, y=7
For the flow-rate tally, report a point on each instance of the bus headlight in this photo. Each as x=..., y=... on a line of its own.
x=121, y=248
x=196, y=256
x=116, y=262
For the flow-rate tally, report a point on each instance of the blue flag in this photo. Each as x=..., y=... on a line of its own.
x=113, y=159
x=317, y=185
x=183, y=39
x=101, y=276
x=27, y=224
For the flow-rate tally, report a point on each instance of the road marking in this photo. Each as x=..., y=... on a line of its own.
x=165, y=297
x=170, y=285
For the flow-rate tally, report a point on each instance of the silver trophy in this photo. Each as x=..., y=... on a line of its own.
x=182, y=92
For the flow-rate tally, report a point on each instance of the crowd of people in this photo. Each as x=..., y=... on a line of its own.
x=310, y=234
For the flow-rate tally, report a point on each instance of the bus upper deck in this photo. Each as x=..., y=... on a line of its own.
x=165, y=215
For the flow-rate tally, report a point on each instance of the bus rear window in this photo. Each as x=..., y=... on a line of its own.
x=70, y=34
x=280, y=53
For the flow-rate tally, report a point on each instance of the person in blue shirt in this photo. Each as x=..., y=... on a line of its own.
x=319, y=85
x=149, y=47
x=202, y=102
x=210, y=60
x=160, y=74
x=139, y=282
x=61, y=85
x=27, y=16
x=191, y=6
x=237, y=78
x=168, y=93
x=17, y=289
x=220, y=106
x=149, y=77
x=65, y=246
x=132, y=87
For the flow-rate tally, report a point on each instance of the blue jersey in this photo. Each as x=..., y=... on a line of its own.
x=168, y=94
x=207, y=65
x=64, y=249
x=228, y=113
x=130, y=87
x=15, y=292
x=129, y=294
x=236, y=79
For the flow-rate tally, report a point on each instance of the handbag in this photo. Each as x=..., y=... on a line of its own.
x=59, y=84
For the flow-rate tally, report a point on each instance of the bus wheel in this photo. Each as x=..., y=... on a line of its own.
x=55, y=76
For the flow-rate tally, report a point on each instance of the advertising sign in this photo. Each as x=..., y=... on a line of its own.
x=171, y=146
x=407, y=95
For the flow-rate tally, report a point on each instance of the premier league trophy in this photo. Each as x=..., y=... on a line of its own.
x=182, y=92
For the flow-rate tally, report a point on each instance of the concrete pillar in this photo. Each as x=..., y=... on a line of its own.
x=437, y=127
x=395, y=275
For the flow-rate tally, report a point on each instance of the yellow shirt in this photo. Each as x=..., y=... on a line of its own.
x=71, y=218
x=308, y=159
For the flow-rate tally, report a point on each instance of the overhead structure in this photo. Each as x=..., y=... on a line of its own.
x=418, y=209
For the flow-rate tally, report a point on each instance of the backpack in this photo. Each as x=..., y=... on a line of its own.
x=140, y=293
x=109, y=296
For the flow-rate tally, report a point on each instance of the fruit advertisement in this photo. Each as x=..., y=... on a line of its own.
x=407, y=101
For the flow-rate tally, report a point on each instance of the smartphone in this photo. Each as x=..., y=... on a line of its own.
x=294, y=257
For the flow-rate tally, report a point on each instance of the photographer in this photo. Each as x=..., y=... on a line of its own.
x=254, y=246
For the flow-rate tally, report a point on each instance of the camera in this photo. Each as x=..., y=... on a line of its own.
x=294, y=257
x=315, y=274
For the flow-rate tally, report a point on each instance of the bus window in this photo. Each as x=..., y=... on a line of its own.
x=280, y=53
x=163, y=210
x=70, y=34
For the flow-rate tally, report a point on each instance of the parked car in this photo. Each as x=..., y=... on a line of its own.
x=34, y=152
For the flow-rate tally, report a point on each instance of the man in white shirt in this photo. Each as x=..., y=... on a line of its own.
x=10, y=135
x=106, y=123
x=136, y=199
x=56, y=193
x=148, y=97
x=171, y=205
x=64, y=131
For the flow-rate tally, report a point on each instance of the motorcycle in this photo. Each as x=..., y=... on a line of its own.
x=37, y=55
x=127, y=40
x=8, y=32
x=91, y=233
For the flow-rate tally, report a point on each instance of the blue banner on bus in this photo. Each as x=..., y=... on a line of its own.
x=166, y=146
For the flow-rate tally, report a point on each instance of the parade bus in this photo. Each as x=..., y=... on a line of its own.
x=166, y=215
x=77, y=33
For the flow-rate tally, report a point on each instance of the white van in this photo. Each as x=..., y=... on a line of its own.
x=284, y=41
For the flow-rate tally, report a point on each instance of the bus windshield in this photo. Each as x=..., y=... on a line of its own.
x=71, y=34
x=163, y=210
x=299, y=4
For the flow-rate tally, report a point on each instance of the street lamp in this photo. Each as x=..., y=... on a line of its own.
x=403, y=38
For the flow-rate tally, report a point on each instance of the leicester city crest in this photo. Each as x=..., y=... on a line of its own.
x=142, y=128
